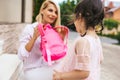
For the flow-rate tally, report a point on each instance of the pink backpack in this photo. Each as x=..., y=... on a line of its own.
x=52, y=45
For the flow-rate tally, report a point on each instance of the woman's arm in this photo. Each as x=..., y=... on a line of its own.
x=27, y=41
x=72, y=75
x=30, y=44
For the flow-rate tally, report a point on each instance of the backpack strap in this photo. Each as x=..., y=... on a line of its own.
x=48, y=56
x=67, y=31
x=66, y=37
x=41, y=30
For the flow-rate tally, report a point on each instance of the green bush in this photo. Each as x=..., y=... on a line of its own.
x=118, y=37
x=110, y=23
x=67, y=10
x=36, y=7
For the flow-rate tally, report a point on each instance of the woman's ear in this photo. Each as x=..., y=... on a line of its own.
x=41, y=11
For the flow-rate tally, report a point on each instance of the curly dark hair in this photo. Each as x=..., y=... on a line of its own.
x=92, y=11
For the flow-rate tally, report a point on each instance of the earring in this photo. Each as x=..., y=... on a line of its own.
x=80, y=14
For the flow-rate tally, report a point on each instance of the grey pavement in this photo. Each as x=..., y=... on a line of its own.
x=110, y=66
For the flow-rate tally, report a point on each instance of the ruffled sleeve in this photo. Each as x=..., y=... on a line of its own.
x=82, y=51
x=25, y=37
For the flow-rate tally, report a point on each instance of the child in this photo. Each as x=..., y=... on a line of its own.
x=84, y=58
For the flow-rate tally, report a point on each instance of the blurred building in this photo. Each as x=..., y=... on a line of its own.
x=113, y=13
x=112, y=9
x=16, y=11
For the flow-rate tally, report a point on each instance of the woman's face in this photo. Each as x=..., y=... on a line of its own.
x=49, y=14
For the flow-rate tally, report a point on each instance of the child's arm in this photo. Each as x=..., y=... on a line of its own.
x=82, y=66
x=72, y=75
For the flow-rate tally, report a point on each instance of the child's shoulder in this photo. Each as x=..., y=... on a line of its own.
x=81, y=40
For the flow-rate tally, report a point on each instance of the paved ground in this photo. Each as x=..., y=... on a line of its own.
x=110, y=66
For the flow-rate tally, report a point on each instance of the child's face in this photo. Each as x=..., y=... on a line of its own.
x=80, y=25
x=77, y=25
x=49, y=14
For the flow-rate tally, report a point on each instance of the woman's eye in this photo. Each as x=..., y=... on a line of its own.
x=56, y=12
x=50, y=10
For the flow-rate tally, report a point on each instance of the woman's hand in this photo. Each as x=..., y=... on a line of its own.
x=57, y=75
x=36, y=33
x=62, y=31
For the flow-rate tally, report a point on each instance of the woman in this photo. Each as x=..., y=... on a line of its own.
x=35, y=67
x=85, y=56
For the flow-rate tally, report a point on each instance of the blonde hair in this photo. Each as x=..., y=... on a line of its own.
x=44, y=5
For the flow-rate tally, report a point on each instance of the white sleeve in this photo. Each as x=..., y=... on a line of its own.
x=24, y=39
x=82, y=50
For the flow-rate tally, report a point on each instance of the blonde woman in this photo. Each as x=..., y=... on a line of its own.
x=35, y=67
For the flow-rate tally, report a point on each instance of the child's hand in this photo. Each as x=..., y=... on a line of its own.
x=57, y=75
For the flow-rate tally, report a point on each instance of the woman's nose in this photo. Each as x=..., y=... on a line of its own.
x=54, y=14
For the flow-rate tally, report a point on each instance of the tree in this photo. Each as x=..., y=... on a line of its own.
x=36, y=7
x=66, y=7
x=67, y=11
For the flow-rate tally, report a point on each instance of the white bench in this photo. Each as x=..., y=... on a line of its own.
x=10, y=67
x=1, y=44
